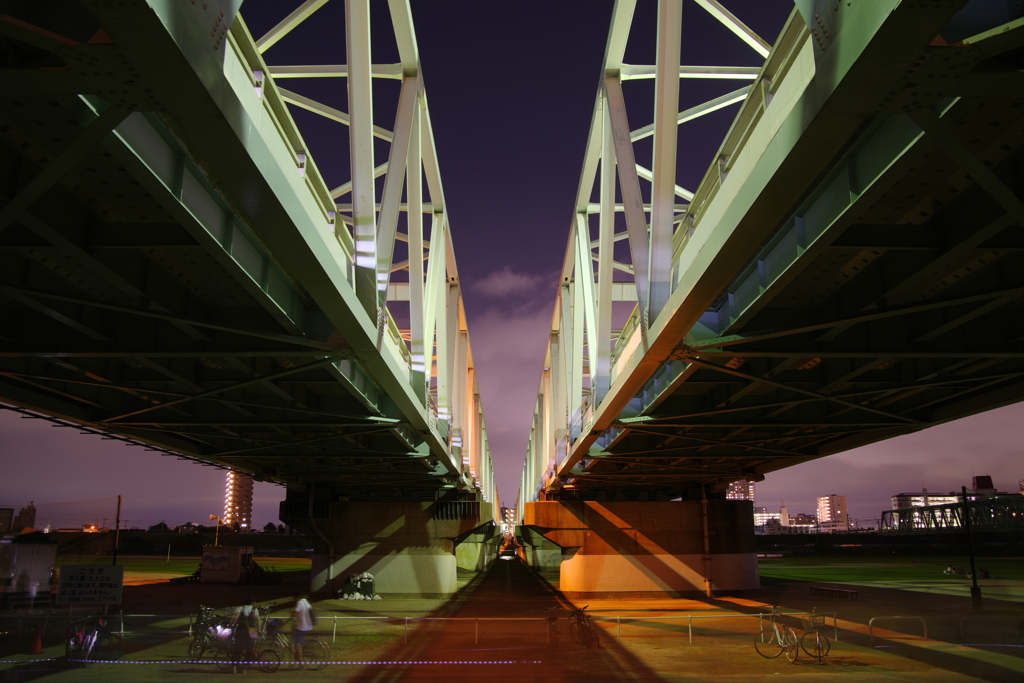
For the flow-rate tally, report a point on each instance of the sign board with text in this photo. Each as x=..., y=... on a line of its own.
x=89, y=585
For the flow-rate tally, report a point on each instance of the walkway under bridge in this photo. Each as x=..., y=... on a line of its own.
x=848, y=270
x=176, y=272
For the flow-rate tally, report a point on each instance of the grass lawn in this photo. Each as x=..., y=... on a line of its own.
x=178, y=566
x=875, y=569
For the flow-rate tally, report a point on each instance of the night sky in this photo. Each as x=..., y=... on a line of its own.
x=511, y=87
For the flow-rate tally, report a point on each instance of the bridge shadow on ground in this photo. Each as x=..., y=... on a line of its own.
x=480, y=646
x=974, y=652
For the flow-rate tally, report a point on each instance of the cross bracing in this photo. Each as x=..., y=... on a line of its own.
x=177, y=271
x=846, y=271
x=999, y=513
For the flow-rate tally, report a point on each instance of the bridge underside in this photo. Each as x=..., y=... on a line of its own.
x=888, y=298
x=160, y=281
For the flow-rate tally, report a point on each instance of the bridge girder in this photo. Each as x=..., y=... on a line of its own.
x=846, y=271
x=177, y=271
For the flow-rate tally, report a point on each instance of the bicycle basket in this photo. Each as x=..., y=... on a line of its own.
x=812, y=622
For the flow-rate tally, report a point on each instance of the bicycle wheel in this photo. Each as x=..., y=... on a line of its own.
x=225, y=658
x=108, y=647
x=73, y=647
x=767, y=645
x=792, y=646
x=197, y=646
x=269, y=660
x=315, y=654
x=591, y=633
x=815, y=644
x=576, y=631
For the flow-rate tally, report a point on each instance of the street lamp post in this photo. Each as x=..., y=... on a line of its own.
x=975, y=590
x=216, y=534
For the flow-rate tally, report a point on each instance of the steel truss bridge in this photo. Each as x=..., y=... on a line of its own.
x=175, y=271
x=849, y=269
x=987, y=514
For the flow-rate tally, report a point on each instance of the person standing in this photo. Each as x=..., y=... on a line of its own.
x=247, y=628
x=302, y=615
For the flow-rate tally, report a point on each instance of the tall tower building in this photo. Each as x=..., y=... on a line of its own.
x=238, y=501
x=833, y=514
x=740, y=490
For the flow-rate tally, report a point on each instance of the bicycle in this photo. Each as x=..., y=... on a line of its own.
x=273, y=648
x=212, y=634
x=814, y=642
x=581, y=629
x=90, y=638
x=772, y=642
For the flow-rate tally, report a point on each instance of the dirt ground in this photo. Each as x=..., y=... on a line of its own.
x=494, y=627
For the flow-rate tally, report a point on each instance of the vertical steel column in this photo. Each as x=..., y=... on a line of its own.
x=707, y=542
x=666, y=128
x=414, y=199
x=360, y=104
x=578, y=290
x=391, y=197
x=585, y=300
x=605, y=257
x=632, y=200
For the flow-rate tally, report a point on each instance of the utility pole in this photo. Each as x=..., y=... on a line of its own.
x=975, y=590
x=117, y=533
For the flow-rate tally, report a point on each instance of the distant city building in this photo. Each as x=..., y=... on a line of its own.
x=774, y=527
x=25, y=519
x=981, y=488
x=902, y=501
x=508, y=520
x=982, y=485
x=803, y=519
x=238, y=501
x=740, y=490
x=833, y=514
x=1020, y=485
x=762, y=516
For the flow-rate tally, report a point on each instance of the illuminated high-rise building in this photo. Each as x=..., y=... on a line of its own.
x=740, y=490
x=833, y=514
x=238, y=501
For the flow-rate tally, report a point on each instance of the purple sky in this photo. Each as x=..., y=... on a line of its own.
x=511, y=87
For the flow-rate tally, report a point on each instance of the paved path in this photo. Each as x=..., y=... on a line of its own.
x=475, y=646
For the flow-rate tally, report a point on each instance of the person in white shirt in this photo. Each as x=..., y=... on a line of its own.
x=303, y=624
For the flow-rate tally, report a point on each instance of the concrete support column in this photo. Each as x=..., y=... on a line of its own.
x=646, y=548
x=408, y=547
x=539, y=552
x=477, y=549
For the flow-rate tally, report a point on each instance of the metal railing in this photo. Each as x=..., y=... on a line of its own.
x=872, y=620
x=404, y=622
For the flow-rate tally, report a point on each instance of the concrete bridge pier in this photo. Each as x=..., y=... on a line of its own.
x=410, y=547
x=644, y=548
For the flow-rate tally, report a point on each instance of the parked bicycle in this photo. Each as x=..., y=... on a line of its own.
x=772, y=642
x=274, y=648
x=91, y=638
x=814, y=642
x=581, y=629
x=212, y=634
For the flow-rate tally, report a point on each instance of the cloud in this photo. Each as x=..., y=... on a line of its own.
x=505, y=282
x=508, y=354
